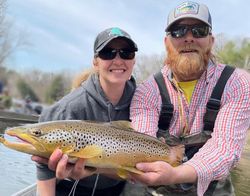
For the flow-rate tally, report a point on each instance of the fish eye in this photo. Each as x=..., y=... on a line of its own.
x=37, y=132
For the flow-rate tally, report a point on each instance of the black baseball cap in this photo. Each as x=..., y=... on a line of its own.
x=108, y=35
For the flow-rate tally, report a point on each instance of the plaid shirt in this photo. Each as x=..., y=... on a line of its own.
x=220, y=153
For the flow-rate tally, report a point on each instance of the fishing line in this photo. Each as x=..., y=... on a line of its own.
x=94, y=188
x=73, y=190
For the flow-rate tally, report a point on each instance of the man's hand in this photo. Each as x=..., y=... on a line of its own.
x=155, y=173
x=162, y=173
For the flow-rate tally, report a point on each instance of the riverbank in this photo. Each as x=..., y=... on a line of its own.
x=241, y=174
x=11, y=119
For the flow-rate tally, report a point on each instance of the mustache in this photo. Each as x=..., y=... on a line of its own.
x=189, y=48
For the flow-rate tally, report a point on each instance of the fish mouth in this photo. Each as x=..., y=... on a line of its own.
x=19, y=146
x=22, y=137
x=25, y=142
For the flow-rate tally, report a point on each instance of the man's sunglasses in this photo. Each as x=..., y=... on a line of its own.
x=198, y=31
x=110, y=53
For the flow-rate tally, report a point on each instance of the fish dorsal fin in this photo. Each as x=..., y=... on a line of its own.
x=119, y=124
x=89, y=151
x=122, y=124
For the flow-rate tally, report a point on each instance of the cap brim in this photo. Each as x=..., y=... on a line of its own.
x=131, y=43
x=187, y=16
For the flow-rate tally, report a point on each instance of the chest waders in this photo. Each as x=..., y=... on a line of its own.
x=194, y=142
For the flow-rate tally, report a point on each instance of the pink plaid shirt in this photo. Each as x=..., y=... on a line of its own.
x=220, y=153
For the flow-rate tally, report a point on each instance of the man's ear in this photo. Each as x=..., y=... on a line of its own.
x=212, y=39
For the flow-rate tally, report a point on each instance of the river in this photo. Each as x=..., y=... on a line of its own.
x=17, y=171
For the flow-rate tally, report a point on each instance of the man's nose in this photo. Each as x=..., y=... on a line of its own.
x=189, y=36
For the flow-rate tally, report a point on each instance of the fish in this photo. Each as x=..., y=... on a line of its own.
x=114, y=145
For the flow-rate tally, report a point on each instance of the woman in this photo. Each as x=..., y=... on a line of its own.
x=105, y=96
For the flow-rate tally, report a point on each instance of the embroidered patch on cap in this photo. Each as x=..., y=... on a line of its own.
x=187, y=8
x=116, y=31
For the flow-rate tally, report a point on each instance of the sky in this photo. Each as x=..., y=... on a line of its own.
x=61, y=33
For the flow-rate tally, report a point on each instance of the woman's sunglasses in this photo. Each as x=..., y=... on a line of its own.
x=110, y=53
x=198, y=31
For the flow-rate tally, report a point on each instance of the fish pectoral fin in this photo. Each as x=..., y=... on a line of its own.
x=123, y=172
x=89, y=151
x=67, y=149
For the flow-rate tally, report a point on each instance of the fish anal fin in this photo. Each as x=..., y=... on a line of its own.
x=123, y=171
x=132, y=170
x=89, y=151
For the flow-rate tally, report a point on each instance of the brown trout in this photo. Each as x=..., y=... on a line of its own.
x=104, y=145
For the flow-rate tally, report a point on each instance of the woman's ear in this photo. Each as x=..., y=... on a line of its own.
x=95, y=64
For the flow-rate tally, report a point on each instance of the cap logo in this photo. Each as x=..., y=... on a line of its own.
x=187, y=8
x=116, y=31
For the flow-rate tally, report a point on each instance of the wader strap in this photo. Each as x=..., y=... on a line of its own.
x=214, y=102
x=167, y=107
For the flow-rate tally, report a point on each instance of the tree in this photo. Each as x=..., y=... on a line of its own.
x=10, y=41
x=245, y=52
x=236, y=53
x=56, y=90
x=26, y=91
x=147, y=65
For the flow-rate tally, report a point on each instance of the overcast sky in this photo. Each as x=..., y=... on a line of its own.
x=62, y=32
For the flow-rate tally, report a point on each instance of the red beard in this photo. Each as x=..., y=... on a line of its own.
x=187, y=63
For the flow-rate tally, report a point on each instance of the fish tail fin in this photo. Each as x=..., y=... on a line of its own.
x=176, y=155
x=2, y=140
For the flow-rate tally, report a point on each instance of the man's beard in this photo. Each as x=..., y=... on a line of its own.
x=186, y=65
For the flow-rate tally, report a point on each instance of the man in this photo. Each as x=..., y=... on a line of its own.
x=190, y=75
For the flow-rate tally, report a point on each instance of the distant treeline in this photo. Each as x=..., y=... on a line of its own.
x=49, y=87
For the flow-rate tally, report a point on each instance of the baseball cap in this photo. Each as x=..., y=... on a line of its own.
x=108, y=35
x=189, y=9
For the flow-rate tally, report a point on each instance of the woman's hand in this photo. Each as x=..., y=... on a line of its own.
x=58, y=162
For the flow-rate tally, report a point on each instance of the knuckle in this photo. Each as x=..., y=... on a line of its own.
x=60, y=175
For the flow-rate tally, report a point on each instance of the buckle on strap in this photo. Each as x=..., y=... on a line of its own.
x=165, y=116
x=167, y=110
x=213, y=107
x=213, y=104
